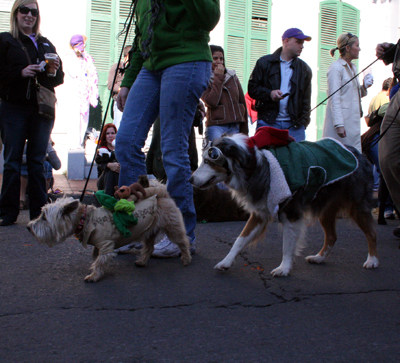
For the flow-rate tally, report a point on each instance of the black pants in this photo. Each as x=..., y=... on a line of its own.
x=19, y=123
x=107, y=181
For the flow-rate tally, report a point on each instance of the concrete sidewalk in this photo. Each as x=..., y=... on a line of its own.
x=70, y=187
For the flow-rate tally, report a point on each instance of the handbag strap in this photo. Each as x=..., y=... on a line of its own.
x=28, y=91
x=25, y=50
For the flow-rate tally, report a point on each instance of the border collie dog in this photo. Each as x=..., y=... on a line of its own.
x=261, y=181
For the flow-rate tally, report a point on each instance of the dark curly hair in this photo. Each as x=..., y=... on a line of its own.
x=157, y=8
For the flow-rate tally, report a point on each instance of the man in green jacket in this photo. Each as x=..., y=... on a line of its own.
x=169, y=71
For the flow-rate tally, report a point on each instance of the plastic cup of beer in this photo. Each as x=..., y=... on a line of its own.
x=50, y=66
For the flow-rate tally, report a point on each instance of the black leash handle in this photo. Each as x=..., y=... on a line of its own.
x=130, y=16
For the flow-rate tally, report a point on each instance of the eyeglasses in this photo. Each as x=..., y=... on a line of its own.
x=215, y=155
x=25, y=11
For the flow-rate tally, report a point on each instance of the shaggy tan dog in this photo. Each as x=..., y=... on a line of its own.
x=95, y=226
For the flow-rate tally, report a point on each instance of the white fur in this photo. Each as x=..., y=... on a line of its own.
x=235, y=174
x=59, y=220
x=240, y=243
x=372, y=262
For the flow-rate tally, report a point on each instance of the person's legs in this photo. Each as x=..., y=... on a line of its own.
x=117, y=116
x=48, y=174
x=216, y=131
x=83, y=125
x=181, y=88
x=298, y=132
x=13, y=123
x=261, y=123
x=110, y=181
x=389, y=149
x=141, y=110
x=22, y=194
x=38, y=137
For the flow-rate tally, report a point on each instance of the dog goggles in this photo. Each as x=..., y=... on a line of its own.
x=215, y=155
x=25, y=11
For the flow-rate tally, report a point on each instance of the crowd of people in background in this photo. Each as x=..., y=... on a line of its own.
x=163, y=76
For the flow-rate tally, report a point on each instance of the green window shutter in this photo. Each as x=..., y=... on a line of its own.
x=235, y=36
x=124, y=8
x=247, y=29
x=259, y=36
x=100, y=34
x=335, y=18
x=106, y=20
x=5, y=10
x=4, y=21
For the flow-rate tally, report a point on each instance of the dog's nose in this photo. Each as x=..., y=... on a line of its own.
x=191, y=179
x=28, y=228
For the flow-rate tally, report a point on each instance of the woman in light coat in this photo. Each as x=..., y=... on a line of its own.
x=343, y=111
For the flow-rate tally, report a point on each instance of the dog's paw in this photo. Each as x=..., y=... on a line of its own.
x=91, y=278
x=186, y=260
x=141, y=263
x=280, y=271
x=315, y=259
x=223, y=266
x=372, y=262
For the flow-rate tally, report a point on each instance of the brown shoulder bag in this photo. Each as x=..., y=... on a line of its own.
x=46, y=99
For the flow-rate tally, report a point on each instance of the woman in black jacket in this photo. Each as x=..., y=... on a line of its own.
x=19, y=116
x=107, y=164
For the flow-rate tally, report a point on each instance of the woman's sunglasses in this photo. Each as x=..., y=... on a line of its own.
x=349, y=37
x=25, y=11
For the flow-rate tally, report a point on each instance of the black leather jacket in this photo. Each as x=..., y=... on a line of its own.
x=266, y=77
x=13, y=87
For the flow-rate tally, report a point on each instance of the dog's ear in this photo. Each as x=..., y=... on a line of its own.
x=143, y=181
x=70, y=207
x=232, y=150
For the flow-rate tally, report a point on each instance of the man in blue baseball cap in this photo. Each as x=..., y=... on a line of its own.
x=281, y=85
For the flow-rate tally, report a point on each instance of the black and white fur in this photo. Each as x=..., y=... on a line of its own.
x=251, y=187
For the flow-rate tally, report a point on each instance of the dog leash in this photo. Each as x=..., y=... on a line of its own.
x=129, y=19
x=351, y=79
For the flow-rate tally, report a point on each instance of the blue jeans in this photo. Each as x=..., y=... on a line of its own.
x=17, y=124
x=173, y=94
x=216, y=131
x=374, y=156
x=373, y=153
x=297, y=132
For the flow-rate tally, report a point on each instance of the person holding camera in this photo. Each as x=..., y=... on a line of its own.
x=224, y=98
x=281, y=85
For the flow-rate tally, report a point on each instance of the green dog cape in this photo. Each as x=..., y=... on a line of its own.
x=122, y=211
x=313, y=165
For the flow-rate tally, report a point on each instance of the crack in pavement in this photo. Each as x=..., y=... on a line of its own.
x=268, y=282
x=275, y=289
x=231, y=306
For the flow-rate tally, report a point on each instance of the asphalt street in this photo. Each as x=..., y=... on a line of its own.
x=334, y=312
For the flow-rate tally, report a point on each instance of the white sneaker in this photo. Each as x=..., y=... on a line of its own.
x=131, y=248
x=165, y=249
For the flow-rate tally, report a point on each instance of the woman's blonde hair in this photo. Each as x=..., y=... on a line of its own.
x=342, y=42
x=14, y=30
